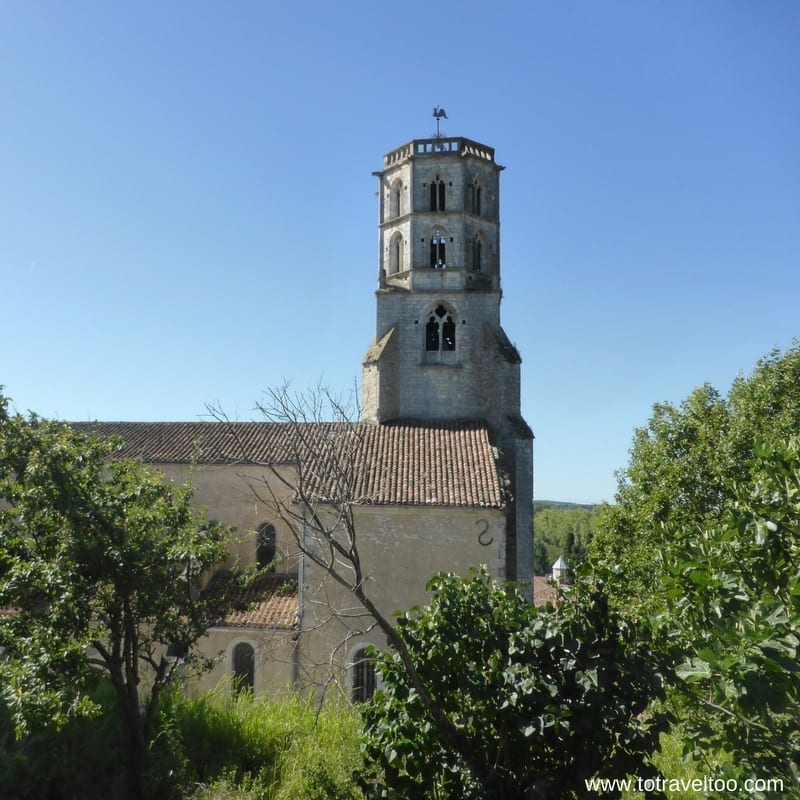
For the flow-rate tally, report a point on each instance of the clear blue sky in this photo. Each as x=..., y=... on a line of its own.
x=188, y=215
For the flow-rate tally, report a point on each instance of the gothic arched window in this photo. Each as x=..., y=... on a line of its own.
x=365, y=679
x=437, y=195
x=438, y=250
x=266, y=546
x=440, y=331
x=244, y=667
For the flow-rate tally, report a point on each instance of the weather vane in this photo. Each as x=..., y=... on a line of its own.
x=439, y=113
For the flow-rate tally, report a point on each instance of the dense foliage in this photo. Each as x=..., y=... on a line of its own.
x=706, y=535
x=562, y=529
x=682, y=465
x=542, y=698
x=733, y=606
x=100, y=561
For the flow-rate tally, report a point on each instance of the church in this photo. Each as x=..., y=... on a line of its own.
x=436, y=475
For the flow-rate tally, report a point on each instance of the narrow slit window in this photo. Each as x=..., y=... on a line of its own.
x=477, y=254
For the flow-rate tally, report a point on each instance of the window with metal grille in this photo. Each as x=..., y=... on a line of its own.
x=365, y=679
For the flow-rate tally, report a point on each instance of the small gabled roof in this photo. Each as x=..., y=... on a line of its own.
x=407, y=462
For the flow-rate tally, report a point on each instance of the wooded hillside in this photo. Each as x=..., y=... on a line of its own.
x=561, y=529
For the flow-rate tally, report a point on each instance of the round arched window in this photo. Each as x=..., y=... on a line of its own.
x=266, y=546
x=244, y=667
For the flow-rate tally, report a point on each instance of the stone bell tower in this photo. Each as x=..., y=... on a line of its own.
x=440, y=352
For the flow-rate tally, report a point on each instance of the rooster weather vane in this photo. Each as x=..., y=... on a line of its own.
x=438, y=114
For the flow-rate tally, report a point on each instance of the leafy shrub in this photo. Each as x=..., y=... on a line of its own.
x=80, y=761
x=525, y=702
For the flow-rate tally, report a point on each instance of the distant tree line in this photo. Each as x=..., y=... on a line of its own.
x=562, y=529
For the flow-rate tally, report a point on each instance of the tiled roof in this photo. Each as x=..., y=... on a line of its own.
x=546, y=590
x=199, y=442
x=268, y=601
x=427, y=463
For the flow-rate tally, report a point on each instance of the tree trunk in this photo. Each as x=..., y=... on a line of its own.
x=133, y=740
x=135, y=760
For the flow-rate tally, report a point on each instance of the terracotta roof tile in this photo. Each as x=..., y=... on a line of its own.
x=269, y=601
x=546, y=590
x=427, y=463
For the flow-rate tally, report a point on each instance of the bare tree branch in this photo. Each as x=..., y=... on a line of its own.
x=314, y=494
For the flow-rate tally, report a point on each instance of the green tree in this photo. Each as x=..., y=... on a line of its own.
x=541, y=562
x=733, y=604
x=705, y=534
x=541, y=699
x=682, y=465
x=100, y=563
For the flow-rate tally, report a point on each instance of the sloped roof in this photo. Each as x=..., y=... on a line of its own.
x=430, y=463
x=196, y=442
x=375, y=350
x=544, y=590
x=268, y=601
